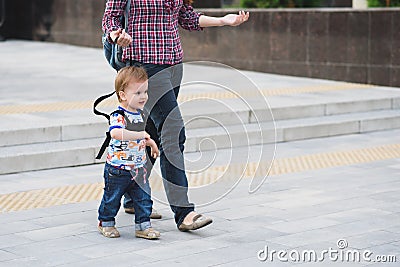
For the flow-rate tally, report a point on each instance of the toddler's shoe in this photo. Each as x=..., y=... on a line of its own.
x=149, y=233
x=108, y=231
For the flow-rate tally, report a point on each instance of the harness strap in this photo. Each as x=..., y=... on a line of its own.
x=107, y=140
x=105, y=144
x=97, y=112
x=98, y=100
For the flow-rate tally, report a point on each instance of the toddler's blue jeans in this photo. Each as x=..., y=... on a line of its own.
x=134, y=183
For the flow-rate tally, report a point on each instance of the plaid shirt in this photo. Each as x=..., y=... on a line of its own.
x=153, y=25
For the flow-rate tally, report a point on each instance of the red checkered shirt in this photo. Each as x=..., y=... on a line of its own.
x=153, y=25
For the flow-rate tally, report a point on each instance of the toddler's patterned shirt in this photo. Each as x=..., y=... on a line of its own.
x=126, y=155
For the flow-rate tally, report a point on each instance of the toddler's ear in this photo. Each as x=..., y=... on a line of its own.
x=122, y=95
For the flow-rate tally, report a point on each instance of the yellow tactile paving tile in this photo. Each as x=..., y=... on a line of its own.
x=48, y=197
x=62, y=106
x=276, y=92
x=87, y=192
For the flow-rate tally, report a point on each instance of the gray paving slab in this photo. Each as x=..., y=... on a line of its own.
x=373, y=239
x=394, y=229
x=57, y=245
x=22, y=215
x=25, y=261
x=5, y=256
x=296, y=226
x=11, y=240
x=20, y=226
x=196, y=246
x=56, y=232
x=73, y=218
x=220, y=256
x=58, y=258
x=357, y=214
x=125, y=259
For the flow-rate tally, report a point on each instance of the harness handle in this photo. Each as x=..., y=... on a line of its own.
x=97, y=112
x=98, y=100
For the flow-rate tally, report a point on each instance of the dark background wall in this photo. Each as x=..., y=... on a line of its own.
x=340, y=44
x=337, y=3
x=75, y=22
x=207, y=3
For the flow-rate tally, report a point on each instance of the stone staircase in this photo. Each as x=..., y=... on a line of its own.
x=68, y=142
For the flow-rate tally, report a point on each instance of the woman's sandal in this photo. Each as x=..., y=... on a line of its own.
x=199, y=221
x=154, y=214
x=149, y=233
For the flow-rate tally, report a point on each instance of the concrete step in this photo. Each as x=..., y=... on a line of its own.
x=202, y=114
x=293, y=129
x=48, y=155
x=65, y=153
x=290, y=130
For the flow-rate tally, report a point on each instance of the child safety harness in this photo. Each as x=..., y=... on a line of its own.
x=140, y=126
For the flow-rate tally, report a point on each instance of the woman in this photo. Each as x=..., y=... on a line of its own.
x=153, y=41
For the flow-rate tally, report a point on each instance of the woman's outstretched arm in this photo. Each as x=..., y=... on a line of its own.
x=227, y=20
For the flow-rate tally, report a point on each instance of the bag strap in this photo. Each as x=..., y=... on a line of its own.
x=127, y=11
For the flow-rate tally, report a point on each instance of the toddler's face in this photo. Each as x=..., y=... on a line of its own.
x=136, y=94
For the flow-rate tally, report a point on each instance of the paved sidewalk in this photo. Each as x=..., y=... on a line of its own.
x=321, y=193
x=308, y=210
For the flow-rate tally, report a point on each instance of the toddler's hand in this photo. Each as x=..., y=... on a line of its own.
x=146, y=136
x=154, y=149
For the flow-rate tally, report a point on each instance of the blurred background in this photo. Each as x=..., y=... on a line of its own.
x=348, y=40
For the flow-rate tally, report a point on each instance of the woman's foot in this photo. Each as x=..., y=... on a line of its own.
x=194, y=221
x=189, y=218
x=154, y=214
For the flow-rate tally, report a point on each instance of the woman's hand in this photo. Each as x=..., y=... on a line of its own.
x=235, y=20
x=121, y=37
